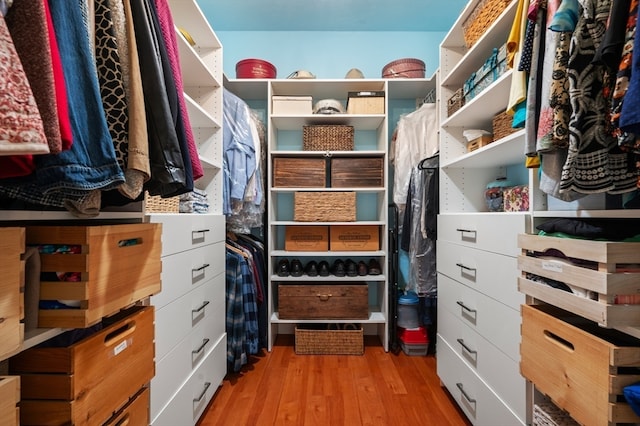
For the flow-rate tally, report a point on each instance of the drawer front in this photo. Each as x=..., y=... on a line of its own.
x=495, y=233
x=323, y=301
x=9, y=399
x=182, y=232
x=135, y=413
x=492, y=274
x=11, y=305
x=496, y=322
x=478, y=402
x=188, y=404
x=178, y=318
x=182, y=360
x=500, y=372
x=184, y=271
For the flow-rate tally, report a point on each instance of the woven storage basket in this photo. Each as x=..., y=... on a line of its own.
x=157, y=204
x=327, y=138
x=502, y=126
x=548, y=414
x=329, y=342
x=324, y=206
x=455, y=102
x=481, y=19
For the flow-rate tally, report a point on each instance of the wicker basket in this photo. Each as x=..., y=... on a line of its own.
x=455, y=102
x=502, y=126
x=157, y=204
x=327, y=138
x=481, y=19
x=324, y=206
x=548, y=414
x=310, y=341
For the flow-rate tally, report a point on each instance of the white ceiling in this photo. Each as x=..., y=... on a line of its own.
x=331, y=15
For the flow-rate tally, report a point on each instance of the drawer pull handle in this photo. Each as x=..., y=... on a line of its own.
x=205, y=303
x=199, y=231
x=324, y=297
x=559, y=340
x=471, y=400
x=203, y=393
x=203, y=267
x=466, y=231
x=467, y=348
x=201, y=348
x=465, y=307
x=467, y=268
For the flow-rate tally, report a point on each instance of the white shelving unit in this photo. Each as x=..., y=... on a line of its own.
x=478, y=301
x=371, y=140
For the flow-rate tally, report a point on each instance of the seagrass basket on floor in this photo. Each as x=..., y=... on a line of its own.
x=157, y=204
x=324, y=206
x=485, y=13
x=314, y=341
x=325, y=137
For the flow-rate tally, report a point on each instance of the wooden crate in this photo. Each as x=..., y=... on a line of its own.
x=135, y=413
x=479, y=142
x=581, y=367
x=118, y=265
x=12, y=246
x=323, y=301
x=365, y=102
x=597, y=291
x=312, y=340
x=289, y=172
x=354, y=237
x=88, y=381
x=9, y=399
x=324, y=206
x=306, y=238
x=357, y=172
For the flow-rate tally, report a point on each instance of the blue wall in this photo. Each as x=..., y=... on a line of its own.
x=329, y=54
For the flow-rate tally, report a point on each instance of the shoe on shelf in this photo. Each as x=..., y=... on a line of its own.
x=296, y=268
x=283, y=268
x=311, y=269
x=374, y=267
x=362, y=269
x=351, y=267
x=323, y=268
x=338, y=268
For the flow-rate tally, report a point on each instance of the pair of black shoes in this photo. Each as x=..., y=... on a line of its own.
x=314, y=269
x=350, y=268
x=296, y=269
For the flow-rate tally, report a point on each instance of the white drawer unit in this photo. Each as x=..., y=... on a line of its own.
x=183, y=234
x=480, y=404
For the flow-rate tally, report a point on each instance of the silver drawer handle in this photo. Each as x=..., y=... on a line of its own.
x=203, y=393
x=203, y=267
x=205, y=303
x=199, y=231
x=466, y=231
x=467, y=268
x=201, y=348
x=471, y=401
x=467, y=348
x=465, y=307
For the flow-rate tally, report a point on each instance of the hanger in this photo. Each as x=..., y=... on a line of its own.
x=422, y=166
x=236, y=250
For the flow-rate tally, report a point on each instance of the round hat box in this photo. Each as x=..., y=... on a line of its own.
x=404, y=68
x=255, y=68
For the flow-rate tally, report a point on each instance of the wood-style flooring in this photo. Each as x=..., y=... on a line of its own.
x=379, y=388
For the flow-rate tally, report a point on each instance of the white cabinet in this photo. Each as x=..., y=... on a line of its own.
x=478, y=300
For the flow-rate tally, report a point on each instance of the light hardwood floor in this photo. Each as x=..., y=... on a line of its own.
x=379, y=388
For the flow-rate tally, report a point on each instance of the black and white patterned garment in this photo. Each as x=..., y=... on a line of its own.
x=594, y=163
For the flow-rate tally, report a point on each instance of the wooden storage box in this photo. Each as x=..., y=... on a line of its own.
x=580, y=366
x=306, y=238
x=299, y=172
x=365, y=102
x=328, y=137
x=601, y=293
x=117, y=266
x=479, y=142
x=360, y=172
x=135, y=413
x=88, y=381
x=291, y=105
x=324, y=206
x=313, y=340
x=9, y=399
x=12, y=246
x=354, y=237
x=323, y=301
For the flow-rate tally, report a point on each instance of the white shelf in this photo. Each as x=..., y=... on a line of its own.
x=374, y=318
x=359, y=122
x=291, y=222
x=506, y=151
x=354, y=153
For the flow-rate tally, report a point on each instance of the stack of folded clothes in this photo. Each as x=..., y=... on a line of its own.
x=194, y=202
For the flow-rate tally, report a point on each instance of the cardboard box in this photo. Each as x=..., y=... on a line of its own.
x=354, y=237
x=291, y=105
x=323, y=301
x=306, y=238
x=365, y=102
x=299, y=172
